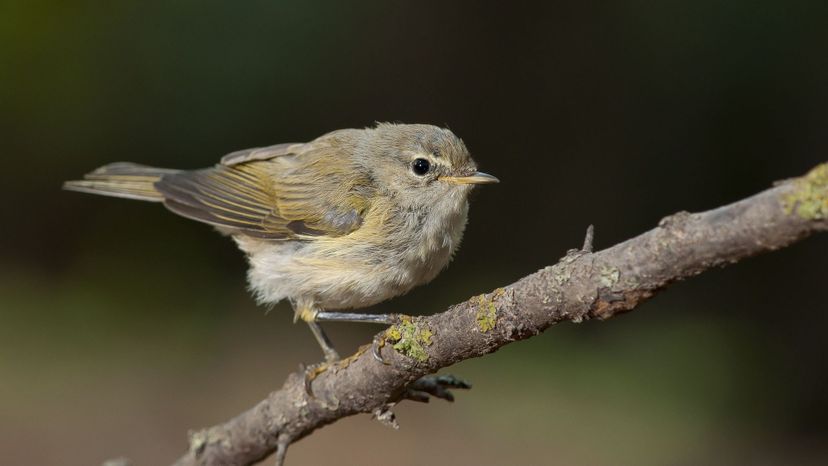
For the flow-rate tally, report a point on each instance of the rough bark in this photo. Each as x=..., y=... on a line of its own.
x=582, y=285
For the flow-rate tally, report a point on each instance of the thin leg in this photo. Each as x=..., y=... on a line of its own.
x=313, y=316
x=327, y=347
x=331, y=356
x=308, y=314
x=386, y=319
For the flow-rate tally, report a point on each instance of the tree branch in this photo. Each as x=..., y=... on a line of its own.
x=583, y=285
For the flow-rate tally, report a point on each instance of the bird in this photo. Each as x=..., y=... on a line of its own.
x=340, y=223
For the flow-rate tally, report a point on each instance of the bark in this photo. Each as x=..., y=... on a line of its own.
x=582, y=285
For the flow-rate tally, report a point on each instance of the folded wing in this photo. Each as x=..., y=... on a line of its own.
x=289, y=191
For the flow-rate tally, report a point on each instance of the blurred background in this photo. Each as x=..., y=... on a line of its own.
x=123, y=326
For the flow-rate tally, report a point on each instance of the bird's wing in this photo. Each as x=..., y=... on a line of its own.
x=262, y=153
x=287, y=148
x=314, y=193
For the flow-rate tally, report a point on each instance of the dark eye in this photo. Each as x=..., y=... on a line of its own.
x=420, y=166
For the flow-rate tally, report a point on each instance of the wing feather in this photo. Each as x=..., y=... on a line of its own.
x=271, y=193
x=261, y=153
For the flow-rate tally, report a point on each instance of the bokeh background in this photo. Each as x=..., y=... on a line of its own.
x=123, y=326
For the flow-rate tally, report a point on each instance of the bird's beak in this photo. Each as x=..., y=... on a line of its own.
x=474, y=178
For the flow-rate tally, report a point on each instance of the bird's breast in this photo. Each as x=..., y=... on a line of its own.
x=425, y=244
x=391, y=253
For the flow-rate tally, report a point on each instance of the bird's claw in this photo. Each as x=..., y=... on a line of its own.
x=436, y=386
x=311, y=372
x=382, y=339
x=376, y=348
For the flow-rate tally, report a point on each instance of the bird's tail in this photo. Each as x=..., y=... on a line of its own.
x=122, y=179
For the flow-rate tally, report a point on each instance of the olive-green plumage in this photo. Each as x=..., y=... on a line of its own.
x=347, y=220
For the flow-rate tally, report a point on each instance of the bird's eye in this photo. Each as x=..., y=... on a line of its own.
x=420, y=166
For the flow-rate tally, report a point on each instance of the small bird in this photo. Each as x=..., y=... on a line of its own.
x=346, y=221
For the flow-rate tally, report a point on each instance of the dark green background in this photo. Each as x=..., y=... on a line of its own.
x=123, y=326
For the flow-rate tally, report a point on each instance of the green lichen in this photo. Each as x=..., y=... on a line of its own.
x=486, y=314
x=609, y=276
x=410, y=338
x=487, y=311
x=201, y=438
x=809, y=198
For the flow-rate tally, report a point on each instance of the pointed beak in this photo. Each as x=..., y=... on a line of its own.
x=474, y=178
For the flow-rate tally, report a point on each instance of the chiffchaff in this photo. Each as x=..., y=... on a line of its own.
x=348, y=220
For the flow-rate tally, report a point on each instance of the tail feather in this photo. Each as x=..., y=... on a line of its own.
x=122, y=179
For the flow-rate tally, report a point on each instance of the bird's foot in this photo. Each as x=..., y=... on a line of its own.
x=312, y=372
x=436, y=386
x=376, y=347
x=382, y=339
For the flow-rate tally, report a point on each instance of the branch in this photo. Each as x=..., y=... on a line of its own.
x=583, y=285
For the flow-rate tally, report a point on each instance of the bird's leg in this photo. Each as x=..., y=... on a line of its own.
x=387, y=319
x=331, y=355
x=379, y=341
x=313, y=316
x=308, y=314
